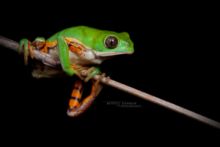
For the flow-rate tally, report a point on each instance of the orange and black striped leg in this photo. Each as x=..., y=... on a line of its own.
x=79, y=108
x=76, y=95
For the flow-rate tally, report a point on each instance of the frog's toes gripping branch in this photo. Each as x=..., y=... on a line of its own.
x=39, y=43
x=77, y=105
x=27, y=49
x=91, y=72
x=85, y=73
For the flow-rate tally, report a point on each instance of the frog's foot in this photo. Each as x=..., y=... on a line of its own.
x=41, y=44
x=85, y=73
x=90, y=73
x=78, y=70
x=48, y=45
x=75, y=106
x=27, y=49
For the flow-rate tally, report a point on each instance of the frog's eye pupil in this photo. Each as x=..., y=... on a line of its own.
x=111, y=42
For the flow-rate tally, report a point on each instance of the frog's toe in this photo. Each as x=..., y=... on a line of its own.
x=91, y=73
x=73, y=113
x=24, y=48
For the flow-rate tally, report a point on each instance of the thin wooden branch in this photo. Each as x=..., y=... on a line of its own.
x=45, y=58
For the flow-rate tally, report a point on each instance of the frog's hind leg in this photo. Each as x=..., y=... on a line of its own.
x=76, y=95
x=76, y=108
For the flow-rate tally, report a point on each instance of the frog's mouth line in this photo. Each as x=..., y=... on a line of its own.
x=109, y=54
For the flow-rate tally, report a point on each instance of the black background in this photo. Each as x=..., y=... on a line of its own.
x=175, y=59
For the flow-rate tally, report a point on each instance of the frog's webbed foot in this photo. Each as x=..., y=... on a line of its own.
x=90, y=73
x=27, y=49
x=78, y=106
x=85, y=73
x=41, y=44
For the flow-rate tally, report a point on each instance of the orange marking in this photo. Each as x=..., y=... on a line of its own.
x=87, y=99
x=44, y=50
x=75, y=47
x=75, y=50
x=76, y=94
x=51, y=44
x=68, y=40
x=48, y=45
x=73, y=103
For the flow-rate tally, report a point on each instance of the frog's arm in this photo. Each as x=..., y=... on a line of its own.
x=27, y=48
x=64, y=55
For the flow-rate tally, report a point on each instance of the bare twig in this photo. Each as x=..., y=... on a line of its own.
x=48, y=60
x=9, y=43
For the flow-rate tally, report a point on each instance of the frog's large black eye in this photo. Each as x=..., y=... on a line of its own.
x=111, y=42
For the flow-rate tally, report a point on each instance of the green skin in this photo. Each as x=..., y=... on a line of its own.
x=94, y=41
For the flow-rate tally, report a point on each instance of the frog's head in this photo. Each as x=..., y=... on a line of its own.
x=111, y=44
x=101, y=44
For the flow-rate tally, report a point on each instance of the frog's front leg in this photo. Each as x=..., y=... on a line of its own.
x=64, y=56
x=27, y=48
x=39, y=44
x=86, y=73
x=76, y=106
x=91, y=72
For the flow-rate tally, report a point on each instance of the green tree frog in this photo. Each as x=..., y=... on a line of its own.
x=81, y=47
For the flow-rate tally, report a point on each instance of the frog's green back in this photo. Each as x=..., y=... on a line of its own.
x=94, y=38
x=81, y=33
